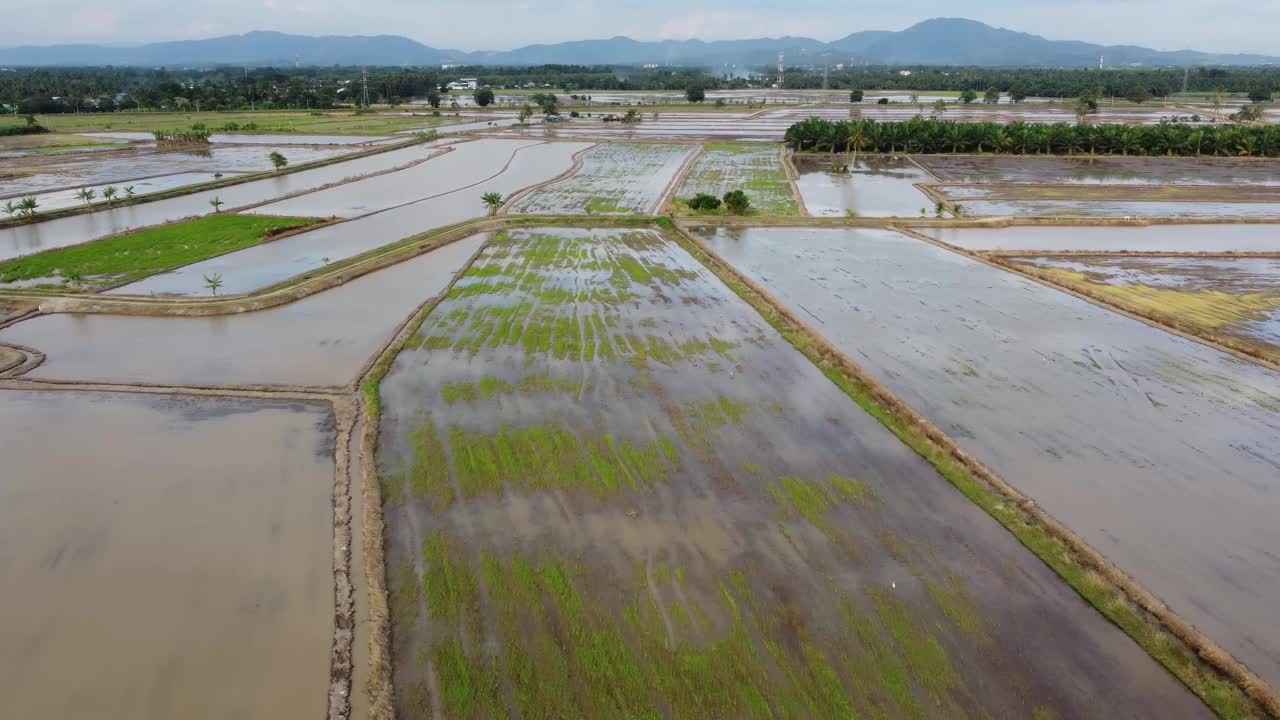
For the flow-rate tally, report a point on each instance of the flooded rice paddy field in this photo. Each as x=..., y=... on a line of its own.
x=148, y=573
x=319, y=341
x=1147, y=238
x=753, y=168
x=613, y=490
x=1236, y=296
x=877, y=186
x=59, y=199
x=615, y=179
x=467, y=163
x=1119, y=209
x=132, y=166
x=60, y=232
x=262, y=265
x=263, y=139
x=1159, y=451
x=1105, y=170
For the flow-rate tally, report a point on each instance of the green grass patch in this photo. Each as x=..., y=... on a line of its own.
x=145, y=252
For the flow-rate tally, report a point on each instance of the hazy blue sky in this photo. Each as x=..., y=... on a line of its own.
x=1217, y=25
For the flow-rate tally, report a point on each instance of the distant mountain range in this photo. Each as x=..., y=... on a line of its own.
x=941, y=41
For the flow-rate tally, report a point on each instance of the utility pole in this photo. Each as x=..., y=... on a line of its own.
x=364, y=83
x=1185, y=72
x=780, y=68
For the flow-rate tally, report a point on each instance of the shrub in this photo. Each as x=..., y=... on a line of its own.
x=703, y=201
x=737, y=202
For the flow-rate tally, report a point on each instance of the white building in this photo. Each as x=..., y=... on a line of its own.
x=464, y=84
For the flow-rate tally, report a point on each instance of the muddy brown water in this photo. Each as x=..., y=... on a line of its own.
x=703, y=516
x=164, y=557
x=466, y=164
x=877, y=187
x=61, y=232
x=321, y=340
x=1158, y=238
x=261, y=265
x=1101, y=170
x=1158, y=451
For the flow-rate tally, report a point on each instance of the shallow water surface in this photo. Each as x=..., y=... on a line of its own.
x=61, y=232
x=164, y=556
x=467, y=164
x=1246, y=237
x=876, y=187
x=268, y=263
x=321, y=340
x=593, y=448
x=1159, y=451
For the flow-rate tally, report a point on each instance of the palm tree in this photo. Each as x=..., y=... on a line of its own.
x=217, y=204
x=86, y=195
x=492, y=201
x=128, y=191
x=109, y=193
x=75, y=277
x=11, y=208
x=28, y=206
x=213, y=282
x=939, y=107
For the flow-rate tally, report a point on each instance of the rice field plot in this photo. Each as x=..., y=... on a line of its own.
x=165, y=556
x=1101, y=170
x=1233, y=300
x=1111, y=425
x=615, y=179
x=875, y=186
x=1115, y=200
x=753, y=168
x=612, y=490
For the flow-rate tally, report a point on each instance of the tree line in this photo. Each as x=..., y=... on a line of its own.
x=1044, y=82
x=927, y=135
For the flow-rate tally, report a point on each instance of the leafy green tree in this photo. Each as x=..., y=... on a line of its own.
x=31, y=120
x=213, y=282
x=737, y=202
x=631, y=118
x=1017, y=94
x=855, y=96
x=939, y=107
x=492, y=201
x=547, y=103
x=433, y=96
x=1260, y=94
x=967, y=96
x=483, y=97
x=704, y=202
x=1248, y=113
x=526, y=112
x=277, y=160
x=217, y=204
x=991, y=96
x=695, y=94
x=75, y=278
x=1139, y=94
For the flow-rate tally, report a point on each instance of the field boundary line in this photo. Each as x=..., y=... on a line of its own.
x=380, y=687
x=669, y=192
x=344, y=612
x=574, y=167
x=1022, y=516
x=793, y=178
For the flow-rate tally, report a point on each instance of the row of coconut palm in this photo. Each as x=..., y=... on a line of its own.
x=925, y=135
